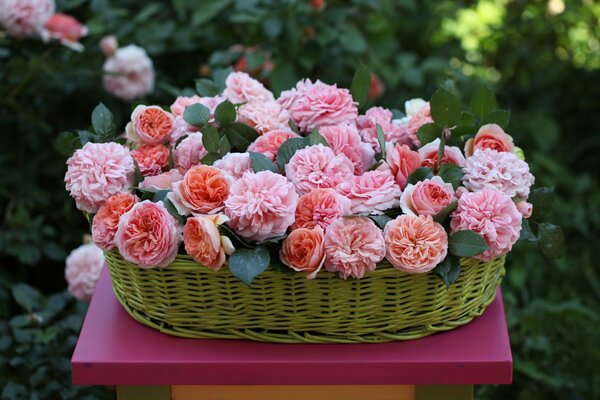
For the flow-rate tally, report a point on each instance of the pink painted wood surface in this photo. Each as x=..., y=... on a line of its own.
x=114, y=349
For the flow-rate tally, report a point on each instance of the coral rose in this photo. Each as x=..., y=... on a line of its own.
x=83, y=268
x=203, y=190
x=320, y=207
x=353, y=246
x=490, y=136
x=500, y=171
x=415, y=244
x=269, y=143
x=148, y=235
x=344, y=139
x=162, y=181
x=427, y=197
x=491, y=214
x=261, y=205
x=150, y=124
x=429, y=155
x=151, y=159
x=264, y=116
x=66, y=29
x=367, y=127
x=373, y=192
x=234, y=164
x=204, y=243
x=303, y=251
x=402, y=162
x=417, y=119
x=25, y=18
x=97, y=171
x=129, y=73
x=318, y=167
x=241, y=88
x=189, y=152
x=106, y=220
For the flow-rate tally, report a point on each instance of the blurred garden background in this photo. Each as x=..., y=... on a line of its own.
x=541, y=57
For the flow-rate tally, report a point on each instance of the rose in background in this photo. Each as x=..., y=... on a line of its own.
x=83, y=268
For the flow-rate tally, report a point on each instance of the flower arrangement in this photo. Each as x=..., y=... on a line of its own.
x=304, y=182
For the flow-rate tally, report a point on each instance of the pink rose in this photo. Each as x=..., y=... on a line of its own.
x=415, y=244
x=303, y=251
x=203, y=190
x=320, y=207
x=241, y=88
x=106, y=220
x=129, y=73
x=427, y=197
x=525, y=208
x=162, y=181
x=264, y=116
x=83, y=268
x=261, y=205
x=373, y=192
x=429, y=155
x=25, y=18
x=353, y=246
x=189, y=152
x=234, y=164
x=320, y=105
x=289, y=97
x=417, y=120
x=109, y=45
x=96, y=172
x=178, y=107
x=491, y=214
x=181, y=129
x=66, y=29
x=204, y=243
x=367, y=127
x=151, y=159
x=402, y=162
x=318, y=167
x=499, y=171
x=148, y=235
x=150, y=124
x=269, y=143
x=490, y=136
x=344, y=139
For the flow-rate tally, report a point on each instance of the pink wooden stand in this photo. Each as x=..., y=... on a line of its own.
x=113, y=349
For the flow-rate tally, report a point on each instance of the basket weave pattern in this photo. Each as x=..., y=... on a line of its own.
x=189, y=300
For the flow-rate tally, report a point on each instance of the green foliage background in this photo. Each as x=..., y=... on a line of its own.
x=541, y=57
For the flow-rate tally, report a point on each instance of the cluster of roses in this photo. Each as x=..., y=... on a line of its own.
x=319, y=203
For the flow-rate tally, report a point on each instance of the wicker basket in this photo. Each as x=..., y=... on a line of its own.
x=186, y=299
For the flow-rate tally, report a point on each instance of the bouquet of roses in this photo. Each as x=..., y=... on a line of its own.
x=234, y=176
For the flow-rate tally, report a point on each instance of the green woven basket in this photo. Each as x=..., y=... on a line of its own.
x=189, y=300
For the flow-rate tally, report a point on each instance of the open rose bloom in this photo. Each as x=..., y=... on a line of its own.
x=308, y=177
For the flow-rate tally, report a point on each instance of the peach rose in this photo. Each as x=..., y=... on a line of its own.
x=490, y=136
x=269, y=143
x=373, y=192
x=320, y=207
x=415, y=244
x=106, y=220
x=525, y=208
x=203, y=190
x=303, y=251
x=429, y=155
x=204, y=242
x=427, y=197
x=162, y=181
x=109, y=45
x=402, y=161
x=150, y=124
x=151, y=159
x=66, y=29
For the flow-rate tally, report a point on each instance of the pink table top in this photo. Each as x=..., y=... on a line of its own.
x=114, y=349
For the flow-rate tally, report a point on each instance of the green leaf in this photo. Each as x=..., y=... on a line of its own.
x=428, y=133
x=441, y=149
x=448, y=270
x=261, y=163
x=293, y=126
x=240, y=135
x=272, y=27
x=543, y=200
x=196, y=115
x=420, y=174
x=210, y=139
x=316, y=138
x=352, y=39
x=360, y=85
x=483, y=102
x=380, y=220
x=225, y=113
x=445, y=108
x=173, y=211
x=500, y=117
x=224, y=146
x=288, y=149
x=552, y=241
x=208, y=9
x=381, y=141
x=466, y=244
x=246, y=264
x=220, y=75
x=526, y=232
x=27, y=297
x=66, y=143
x=207, y=88
x=160, y=195
x=14, y=391
x=441, y=216
x=210, y=158
x=451, y=173
x=103, y=122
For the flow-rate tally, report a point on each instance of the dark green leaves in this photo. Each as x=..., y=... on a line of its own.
x=551, y=240
x=207, y=88
x=448, y=270
x=483, y=102
x=196, y=115
x=246, y=264
x=543, y=200
x=428, y=133
x=288, y=149
x=240, y=135
x=316, y=138
x=360, y=85
x=451, y=173
x=66, y=143
x=210, y=138
x=445, y=108
x=381, y=142
x=380, y=220
x=420, y=174
x=103, y=122
x=225, y=113
x=466, y=244
x=210, y=158
x=261, y=163
x=500, y=117
x=441, y=216
x=26, y=296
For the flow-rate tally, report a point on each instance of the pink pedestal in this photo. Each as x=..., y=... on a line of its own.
x=114, y=349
